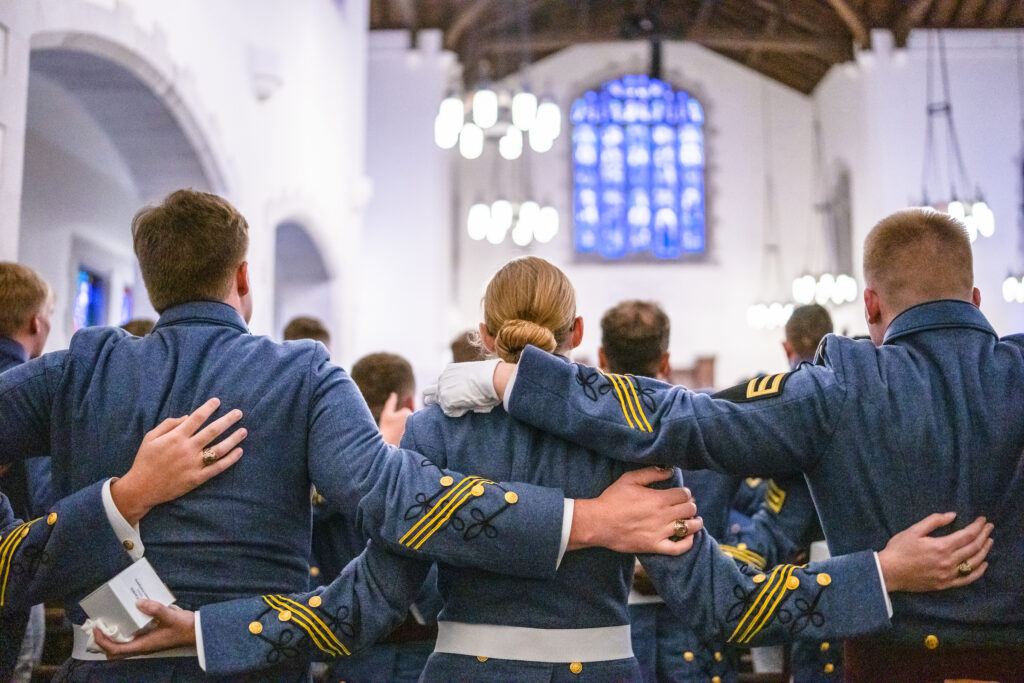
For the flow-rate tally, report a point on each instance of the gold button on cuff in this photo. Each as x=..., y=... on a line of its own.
x=576, y=667
x=716, y=679
x=759, y=578
x=447, y=481
x=24, y=532
x=314, y=571
x=284, y=616
x=51, y=519
x=741, y=546
x=477, y=490
x=824, y=646
x=718, y=656
x=829, y=668
x=315, y=601
x=255, y=628
x=511, y=498
x=480, y=658
x=688, y=656
x=128, y=545
x=824, y=579
x=931, y=642
x=792, y=583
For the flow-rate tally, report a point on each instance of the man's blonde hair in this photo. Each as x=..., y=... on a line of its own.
x=528, y=301
x=189, y=248
x=22, y=294
x=918, y=255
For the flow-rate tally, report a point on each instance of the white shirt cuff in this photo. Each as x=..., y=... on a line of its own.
x=128, y=534
x=200, y=652
x=881, y=580
x=567, y=509
x=508, y=397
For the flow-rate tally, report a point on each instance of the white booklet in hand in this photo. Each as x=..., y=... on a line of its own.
x=113, y=603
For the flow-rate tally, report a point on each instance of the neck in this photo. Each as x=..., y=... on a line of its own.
x=25, y=340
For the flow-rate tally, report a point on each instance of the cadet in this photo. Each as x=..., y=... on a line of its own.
x=926, y=417
x=248, y=531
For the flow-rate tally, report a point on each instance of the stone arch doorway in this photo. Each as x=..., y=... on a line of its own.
x=302, y=280
x=103, y=136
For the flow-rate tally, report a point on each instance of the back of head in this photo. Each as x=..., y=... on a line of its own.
x=22, y=294
x=306, y=327
x=189, y=247
x=139, y=327
x=378, y=375
x=634, y=337
x=466, y=347
x=805, y=329
x=918, y=255
x=529, y=301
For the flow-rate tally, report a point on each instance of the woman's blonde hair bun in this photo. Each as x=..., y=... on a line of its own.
x=514, y=335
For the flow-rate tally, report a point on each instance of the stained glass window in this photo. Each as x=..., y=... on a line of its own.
x=638, y=167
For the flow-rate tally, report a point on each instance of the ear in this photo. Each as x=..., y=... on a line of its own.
x=788, y=348
x=665, y=367
x=976, y=297
x=872, y=307
x=409, y=402
x=34, y=324
x=486, y=338
x=242, y=279
x=577, y=332
x=602, y=362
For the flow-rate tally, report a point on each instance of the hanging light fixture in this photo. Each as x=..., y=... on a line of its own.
x=964, y=200
x=1013, y=285
x=523, y=221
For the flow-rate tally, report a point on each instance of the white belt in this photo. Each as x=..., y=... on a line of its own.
x=78, y=651
x=534, y=644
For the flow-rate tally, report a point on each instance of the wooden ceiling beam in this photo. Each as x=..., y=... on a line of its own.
x=463, y=21
x=854, y=21
x=913, y=16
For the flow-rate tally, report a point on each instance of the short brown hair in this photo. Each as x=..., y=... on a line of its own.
x=139, y=327
x=634, y=336
x=378, y=375
x=805, y=329
x=189, y=247
x=918, y=255
x=22, y=294
x=467, y=347
x=306, y=327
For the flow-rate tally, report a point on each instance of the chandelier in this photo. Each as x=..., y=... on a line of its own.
x=467, y=120
x=523, y=221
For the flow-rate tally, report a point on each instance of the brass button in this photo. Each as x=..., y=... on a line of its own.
x=51, y=519
x=284, y=616
x=792, y=583
x=315, y=601
x=759, y=578
x=829, y=668
x=255, y=628
x=511, y=498
x=824, y=646
x=716, y=679
x=824, y=579
x=128, y=545
x=688, y=656
x=24, y=532
x=575, y=667
x=931, y=642
x=718, y=656
x=477, y=490
x=480, y=658
x=314, y=571
x=447, y=481
x=741, y=546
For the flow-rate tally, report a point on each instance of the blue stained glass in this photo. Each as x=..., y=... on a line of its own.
x=638, y=152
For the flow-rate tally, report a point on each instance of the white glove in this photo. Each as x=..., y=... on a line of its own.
x=463, y=387
x=109, y=630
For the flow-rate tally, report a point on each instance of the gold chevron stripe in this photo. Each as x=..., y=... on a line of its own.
x=302, y=621
x=769, y=587
x=621, y=383
x=312, y=616
x=774, y=497
x=451, y=510
x=622, y=401
x=7, y=551
x=453, y=502
x=748, y=556
x=639, y=406
x=771, y=611
x=424, y=520
x=777, y=587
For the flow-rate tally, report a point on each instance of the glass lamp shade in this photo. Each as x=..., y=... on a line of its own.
x=510, y=146
x=471, y=141
x=445, y=135
x=478, y=221
x=547, y=225
x=549, y=119
x=452, y=112
x=539, y=142
x=485, y=107
x=524, y=110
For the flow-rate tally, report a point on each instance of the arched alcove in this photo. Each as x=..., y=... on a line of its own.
x=302, y=280
x=100, y=142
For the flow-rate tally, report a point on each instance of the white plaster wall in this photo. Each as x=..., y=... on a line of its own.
x=707, y=301
x=406, y=241
x=873, y=118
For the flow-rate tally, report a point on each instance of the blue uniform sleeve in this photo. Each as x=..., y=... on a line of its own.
x=779, y=528
x=838, y=598
x=771, y=426
x=369, y=598
x=70, y=550
x=406, y=502
x=26, y=393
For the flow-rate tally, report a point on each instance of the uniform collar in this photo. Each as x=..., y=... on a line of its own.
x=935, y=315
x=208, y=312
x=10, y=349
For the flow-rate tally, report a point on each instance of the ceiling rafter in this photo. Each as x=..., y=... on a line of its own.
x=854, y=21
